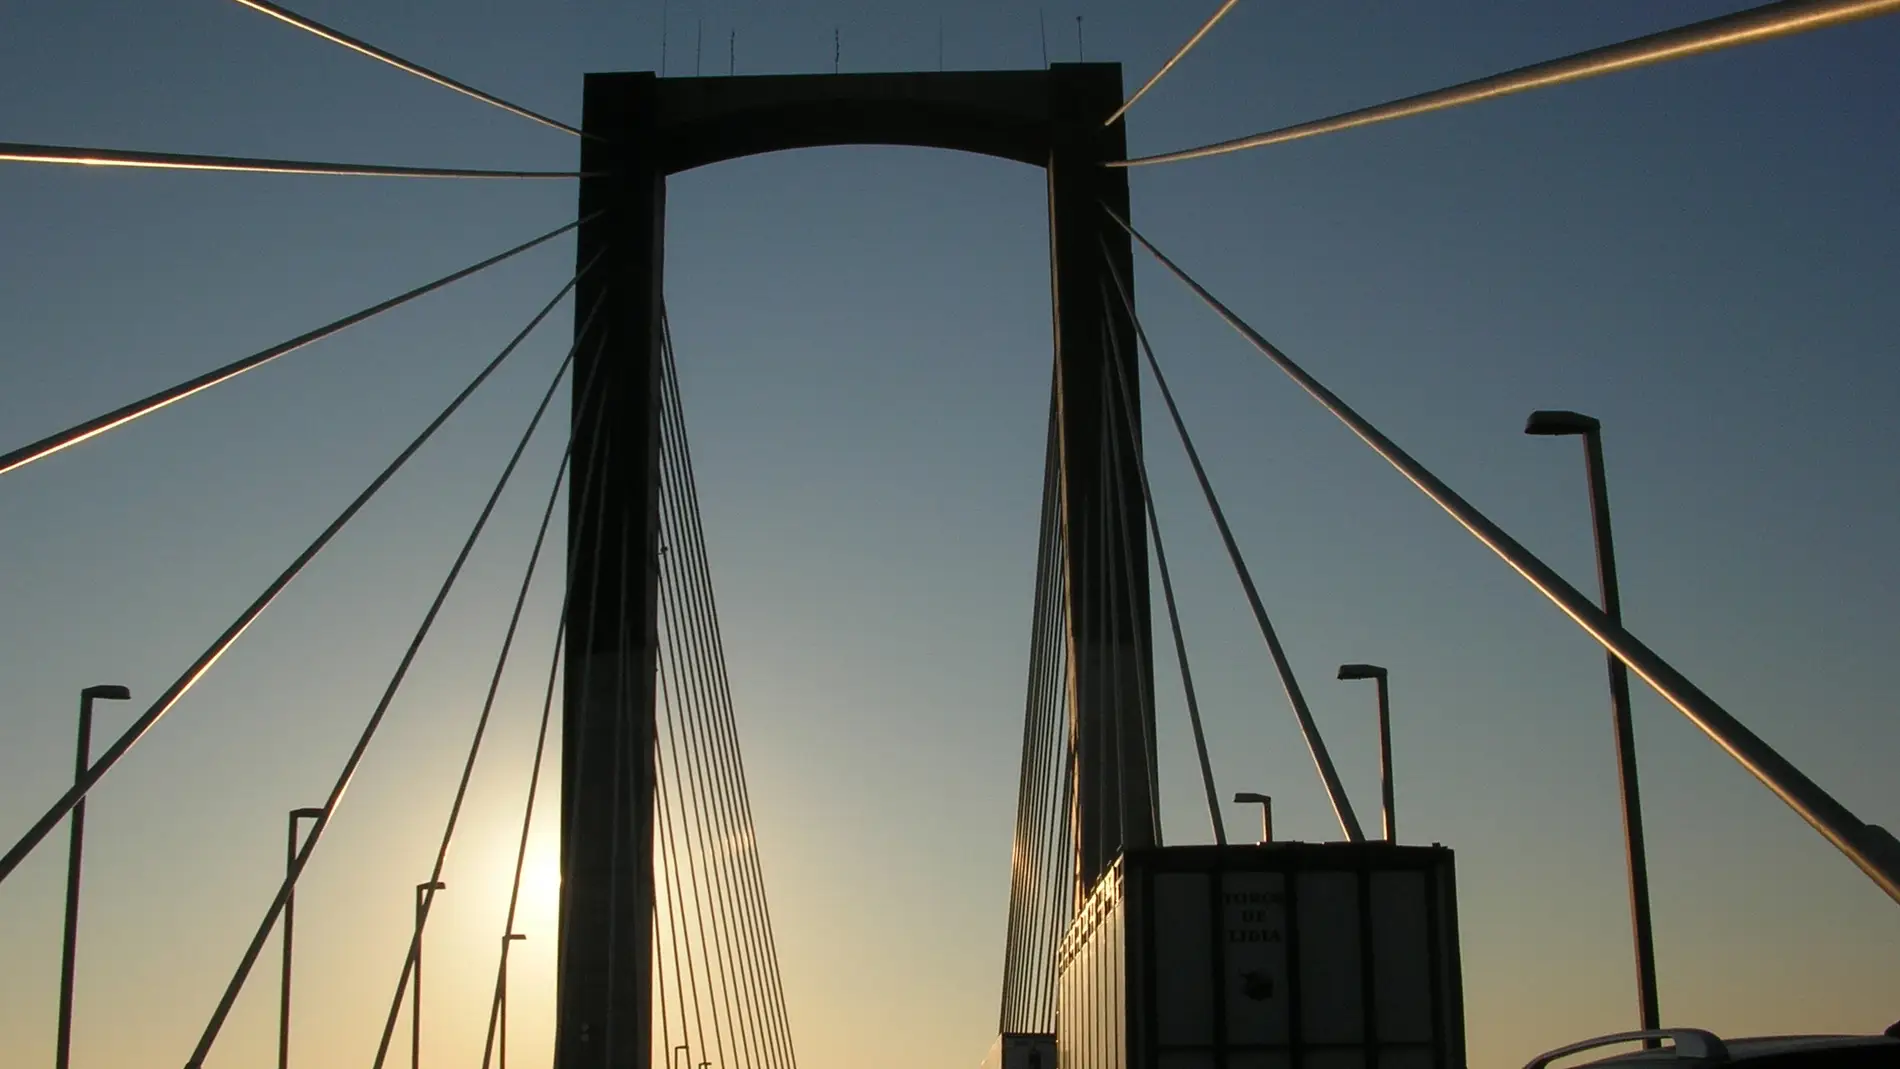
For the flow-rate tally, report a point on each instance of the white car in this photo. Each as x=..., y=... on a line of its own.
x=1693, y=1047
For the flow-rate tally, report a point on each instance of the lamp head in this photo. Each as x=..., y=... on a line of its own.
x=1250, y=797
x=512, y=936
x=433, y=885
x=1361, y=671
x=309, y=812
x=109, y=691
x=1551, y=422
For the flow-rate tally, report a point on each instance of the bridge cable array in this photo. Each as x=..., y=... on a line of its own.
x=1869, y=846
x=1764, y=23
x=1309, y=729
x=494, y=685
x=1042, y=863
x=1124, y=393
x=587, y=505
x=348, y=772
x=1118, y=580
x=706, y=840
x=312, y=26
x=121, y=416
x=137, y=730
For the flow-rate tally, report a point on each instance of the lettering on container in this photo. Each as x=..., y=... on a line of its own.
x=1253, y=938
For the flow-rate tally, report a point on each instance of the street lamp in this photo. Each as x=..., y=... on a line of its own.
x=505, y=940
x=1564, y=423
x=291, y=845
x=415, y=1012
x=70, y=951
x=1378, y=675
x=1266, y=812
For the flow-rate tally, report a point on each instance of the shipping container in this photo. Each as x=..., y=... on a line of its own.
x=1022, y=1050
x=1274, y=956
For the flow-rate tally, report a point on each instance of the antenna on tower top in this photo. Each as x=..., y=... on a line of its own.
x=662, y=38
x=1078, y=39
x=1042, y=31
x=836, y=49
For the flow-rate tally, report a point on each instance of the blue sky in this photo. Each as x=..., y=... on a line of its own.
x=1701, y=255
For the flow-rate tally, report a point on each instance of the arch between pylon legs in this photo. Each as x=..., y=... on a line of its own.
x=641, y=129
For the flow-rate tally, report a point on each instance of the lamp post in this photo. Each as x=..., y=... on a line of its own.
x=1554, y=423
x=415, y=1011
x=1378, y=675
x=291, y=845
x=69, y=951
x=505, y=940
x=1266, y=812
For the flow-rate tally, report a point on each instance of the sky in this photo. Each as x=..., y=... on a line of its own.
x=1701, y=255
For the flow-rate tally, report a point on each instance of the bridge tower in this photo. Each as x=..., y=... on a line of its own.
x=640, y=129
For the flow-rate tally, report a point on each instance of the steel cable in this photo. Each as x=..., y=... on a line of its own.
x=768, y=1026
x=488, y=701
x=1144, y=691
x=1218, y=14
x=685, y=825
x=587, y=499
x=118, y=417
x=749, y=855
x=1315, y=742
x=1025, y=849
x=310, y=25
x=686, y=618
x=203, y=664
x=676, y=885
x=691, y=681
x=1049, y=711
x=1763, y=23
x=80, y=156
x=1125, y=392
x=1870, y=847
x=717, y=947
x=350, y=765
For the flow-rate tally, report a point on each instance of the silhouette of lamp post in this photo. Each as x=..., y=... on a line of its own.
x=1378, y=675
x=415, y=1012
x=291, y=845
x=69, y=952
x=1266, y=812
x=505, y=940
x=1555, y=423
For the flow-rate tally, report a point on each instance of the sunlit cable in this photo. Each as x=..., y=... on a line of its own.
x=14, y=152
x=1144, y=689
x=1125, y=391
x=1727, y=31
x=1872, y=848
x=501, y=664
x=119, y=417
x=210, y=657
x=350, y=765
x=310, y=25
x=1315, y=742
x=1225, y=7
x=585, y=500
